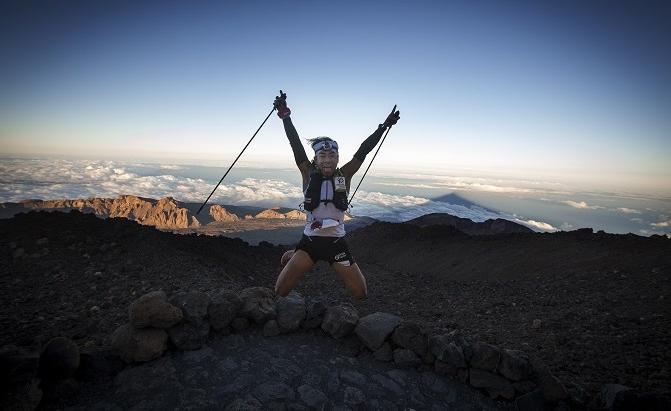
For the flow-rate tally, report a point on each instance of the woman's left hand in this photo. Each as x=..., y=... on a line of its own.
x=392, y=118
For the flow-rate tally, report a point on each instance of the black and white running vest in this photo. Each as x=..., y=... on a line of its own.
x=313, y=192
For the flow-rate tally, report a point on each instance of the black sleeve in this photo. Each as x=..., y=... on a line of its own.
x=369, y=144
x=295, y=141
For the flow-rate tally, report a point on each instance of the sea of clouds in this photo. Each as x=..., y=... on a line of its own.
x=68, y=179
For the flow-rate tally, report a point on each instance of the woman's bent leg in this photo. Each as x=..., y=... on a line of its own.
x=293, y=272
x=353, y=278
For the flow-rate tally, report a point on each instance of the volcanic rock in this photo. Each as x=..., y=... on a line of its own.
x=315, y=310
x=445, y=350
x=374, y=328
x=405, y=358
x=485, y=356
x=193, y=330
x=258, y=304
x=340, y=320
x=290, y=311
x=384, y=353
x=223, y=308
x=154, y=310
x=409, y=335
x=514, y=365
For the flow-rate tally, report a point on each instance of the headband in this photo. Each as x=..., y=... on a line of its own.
x=325, y=145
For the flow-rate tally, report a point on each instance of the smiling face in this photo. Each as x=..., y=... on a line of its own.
x=326, y=161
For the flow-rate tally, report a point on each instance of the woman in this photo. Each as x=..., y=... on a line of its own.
x=326, y=188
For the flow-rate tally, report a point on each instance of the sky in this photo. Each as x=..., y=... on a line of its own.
x=573, y=91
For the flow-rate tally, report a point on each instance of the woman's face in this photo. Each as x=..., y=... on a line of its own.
x=327, y=161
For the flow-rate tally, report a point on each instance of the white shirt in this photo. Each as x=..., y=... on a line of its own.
x=324, y=211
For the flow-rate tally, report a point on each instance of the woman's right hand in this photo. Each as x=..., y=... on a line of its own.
x=280, y=104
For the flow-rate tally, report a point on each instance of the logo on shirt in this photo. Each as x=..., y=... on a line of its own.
x=340, y=184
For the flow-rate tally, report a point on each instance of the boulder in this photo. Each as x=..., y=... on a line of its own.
x=192, y=332
x=223, y=308
x=290, y=311
x=514, y=365
x=446, y=350
x=384, y=353
x=59, y=359
x=485, y=356
x=314, y=315
x=193, y=304
x=374, y=328
x=153, y=310
x=409, y=335
x=340, y=320
x=495, y=385
x=315, y=308
x=258, y=304
x=139, y=345
x=405, y=358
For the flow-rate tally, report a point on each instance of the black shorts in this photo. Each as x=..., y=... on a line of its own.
x=329, y=249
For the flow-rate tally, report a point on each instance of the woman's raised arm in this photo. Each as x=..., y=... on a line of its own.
x=368, y=145
x=296, y=146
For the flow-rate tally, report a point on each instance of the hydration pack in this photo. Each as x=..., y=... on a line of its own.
x=313, y=192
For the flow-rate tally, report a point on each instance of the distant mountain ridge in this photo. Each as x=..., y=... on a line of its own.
x=170, y=214
x=465, y=225
x=165, y=213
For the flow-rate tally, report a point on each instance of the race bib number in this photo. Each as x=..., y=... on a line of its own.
x=340, y=184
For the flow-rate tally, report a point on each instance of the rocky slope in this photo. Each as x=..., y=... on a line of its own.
x=593, y=306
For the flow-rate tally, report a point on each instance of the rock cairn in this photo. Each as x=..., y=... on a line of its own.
x=186, y=321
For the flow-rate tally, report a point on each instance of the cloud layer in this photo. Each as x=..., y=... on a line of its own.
x=53, y=179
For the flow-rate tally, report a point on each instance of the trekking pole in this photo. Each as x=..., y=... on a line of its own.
x=371, y=161
x=236, y=159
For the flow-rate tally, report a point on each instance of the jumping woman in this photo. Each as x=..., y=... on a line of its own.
x=325, y=188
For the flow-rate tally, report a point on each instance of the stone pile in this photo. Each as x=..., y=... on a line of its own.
x=186, y=321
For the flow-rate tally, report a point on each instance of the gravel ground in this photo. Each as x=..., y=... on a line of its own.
x=595, y=307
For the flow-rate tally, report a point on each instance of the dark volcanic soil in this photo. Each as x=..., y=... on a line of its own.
x=602, y=300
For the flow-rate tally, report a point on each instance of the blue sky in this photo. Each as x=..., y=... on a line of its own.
x=579, y=91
